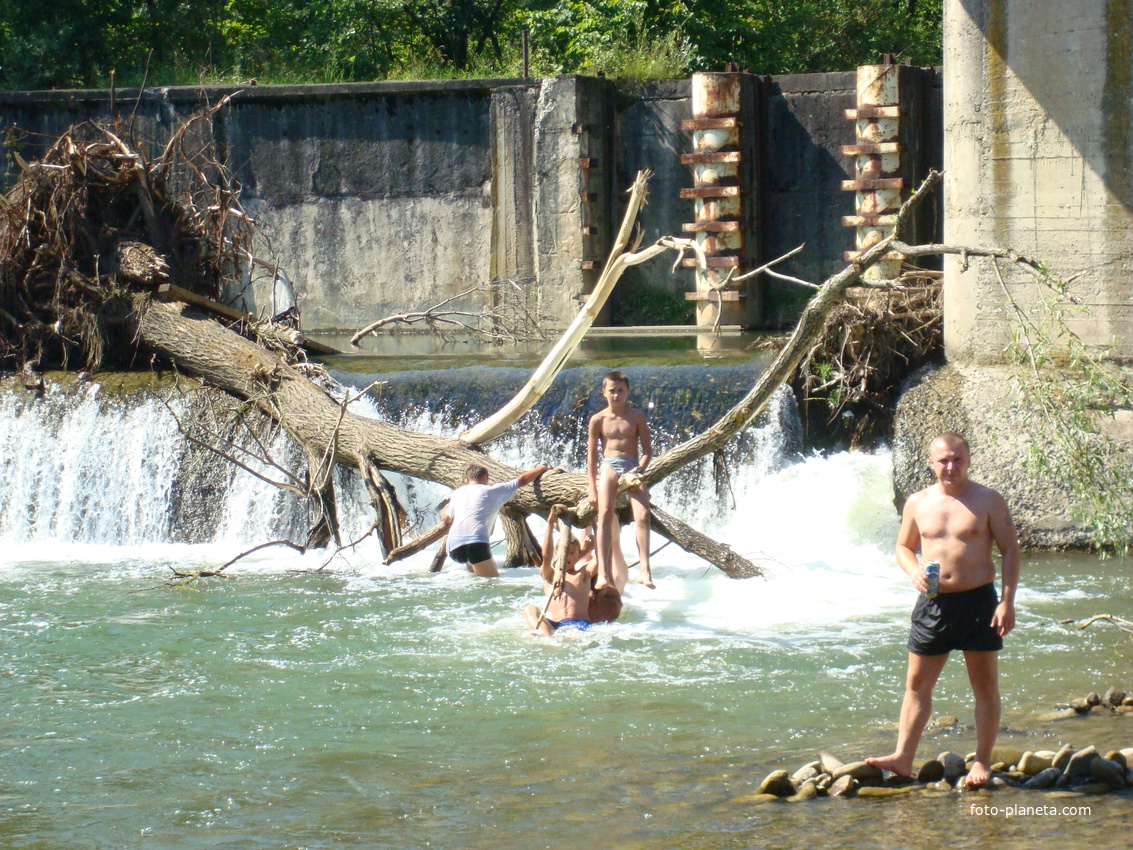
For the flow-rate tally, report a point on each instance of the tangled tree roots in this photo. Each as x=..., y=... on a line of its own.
x=849, y=382
x=93, y=218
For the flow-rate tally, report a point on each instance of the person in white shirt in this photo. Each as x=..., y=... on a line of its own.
x=471, y=513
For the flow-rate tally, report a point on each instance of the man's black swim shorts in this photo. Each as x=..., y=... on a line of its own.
x=955, y=621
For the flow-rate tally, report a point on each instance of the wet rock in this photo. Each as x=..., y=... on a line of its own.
x=931, y=771
x=1094, y=788
x=847, y=786
x=1119, y=757
x=1128, y=753
x=807, y=771
x=1057, y=714
x=1081, y=706
x=1044, y=778
x=998, y=766
x=1007, y=755
x=1127, y=701
x=998, y=782
x=1122, y=709
x=778, y=782
x=1063, y=781
x=865, y=774
x=823, y=782
x=1107, y=771
x=1093, y=699
x=1103, y=709
x=941, y=785
x=757, y=798
x=872, y=791
x=1079, y=764
x=1032, y=763
x=829, y=762
x=1063, y=756
x=945, y=721
x=1113, y=696
x=807, y=791
x=954, y=766
x=1046, y=754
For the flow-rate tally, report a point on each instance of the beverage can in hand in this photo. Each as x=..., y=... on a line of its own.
x=932, y=576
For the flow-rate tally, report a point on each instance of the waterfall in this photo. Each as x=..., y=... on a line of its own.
x=82, y=465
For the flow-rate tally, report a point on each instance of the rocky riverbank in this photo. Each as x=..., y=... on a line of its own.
x=1068, y=769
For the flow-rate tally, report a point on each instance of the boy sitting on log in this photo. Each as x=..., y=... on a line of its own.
x=572, y=602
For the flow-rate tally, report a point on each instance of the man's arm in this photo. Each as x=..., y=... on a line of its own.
x=531, y=475
x=592, y=457
x=1006, y=539
x=908, y=542
x=646, y=444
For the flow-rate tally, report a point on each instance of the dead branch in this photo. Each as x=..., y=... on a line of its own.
x=1120, y=622
x=491, y=324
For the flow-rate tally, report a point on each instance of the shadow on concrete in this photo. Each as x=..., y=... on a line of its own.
x=1089, y=98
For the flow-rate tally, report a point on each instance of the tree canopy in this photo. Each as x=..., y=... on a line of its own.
x=79, y=43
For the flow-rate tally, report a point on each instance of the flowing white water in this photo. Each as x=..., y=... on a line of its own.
x=92, y=478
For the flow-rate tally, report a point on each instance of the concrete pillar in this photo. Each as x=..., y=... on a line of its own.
x=1038, y=158
x=573, y=191
x=724, y=161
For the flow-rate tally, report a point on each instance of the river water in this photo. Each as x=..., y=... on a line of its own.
x=373, y=706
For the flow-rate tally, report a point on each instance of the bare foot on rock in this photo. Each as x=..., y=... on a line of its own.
x=895, y=763
x=979, y=776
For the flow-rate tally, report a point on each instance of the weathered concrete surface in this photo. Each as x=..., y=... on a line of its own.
x=1039, y=158
x=381, y=197
x=974, y=400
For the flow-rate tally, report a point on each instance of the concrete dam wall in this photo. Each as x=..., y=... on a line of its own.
x=384, y=197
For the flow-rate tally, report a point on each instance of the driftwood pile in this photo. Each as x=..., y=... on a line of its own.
x=849, y=382
x=94, y=218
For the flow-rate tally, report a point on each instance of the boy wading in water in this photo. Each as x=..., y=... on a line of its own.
x=955, y=521
x=621, y=434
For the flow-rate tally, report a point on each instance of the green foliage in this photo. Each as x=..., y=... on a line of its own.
x=1069, y=391
x=74, y=43
x=649, y=305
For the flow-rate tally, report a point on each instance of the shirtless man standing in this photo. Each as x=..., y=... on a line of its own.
x=955, y=521
x=617, y=431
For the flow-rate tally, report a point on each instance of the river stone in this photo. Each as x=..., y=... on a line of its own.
x=807, y=771
x=1127, y=701
x=1093, y=699
x=1109, y=772
x=873, y=791
x=847, y=786
x=998, y=782
x=829, y=762
x=1079, y=764
x=1128, y=753
x=1114, y=697
x=1063, y=756
x=865, y=774
x=931, y=771
x=1094, y=788
x=1044, y=778
x=778, y=782
x=1081, y=706
x=954, y=766
x=1033, y=763
x=997, y=766
x=1046, y=754
x=1122, y=709
x=1119, y=757
x=944, y=721
x=807, y=791
x=756, y=798
x=823, y=781
x=1057, y=714
x=940, y=785
x=1007, y=755
x=1063, y=781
